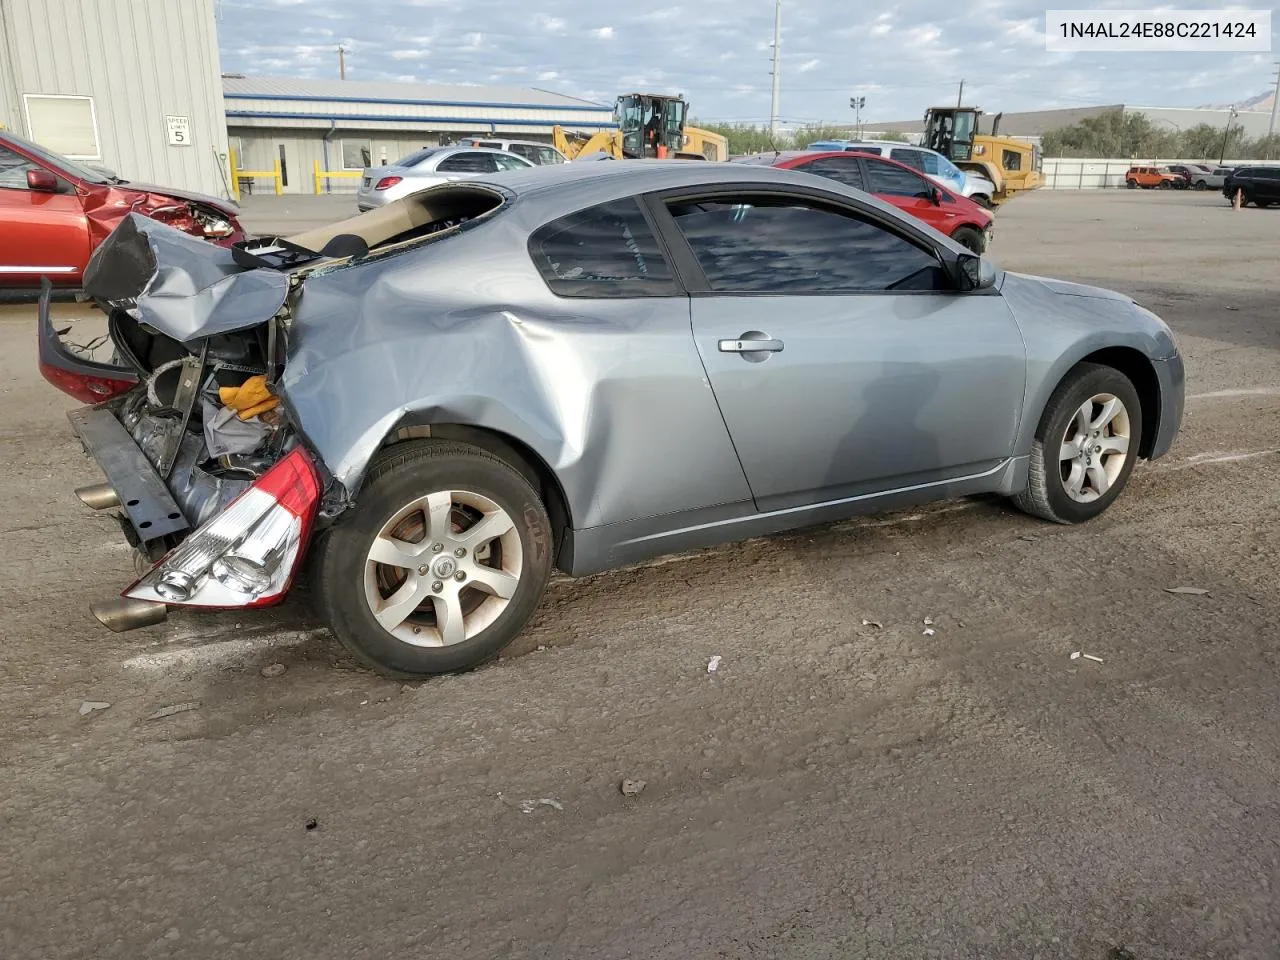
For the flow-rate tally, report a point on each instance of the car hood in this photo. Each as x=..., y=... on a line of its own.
x=222, y=206
x=1066, y=288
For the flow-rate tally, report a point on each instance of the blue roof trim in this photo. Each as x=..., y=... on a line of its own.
x=310, y=98
x=480, y=121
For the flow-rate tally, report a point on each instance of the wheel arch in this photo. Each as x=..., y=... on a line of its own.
x=511, y=450
x=1135, y=366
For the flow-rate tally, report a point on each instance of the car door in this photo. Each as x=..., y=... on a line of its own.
x=1267, y=184
x=841, y=362
x=41, y=234
x=911, y=193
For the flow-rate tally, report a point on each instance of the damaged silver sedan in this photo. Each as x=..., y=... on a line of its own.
x=580, y=367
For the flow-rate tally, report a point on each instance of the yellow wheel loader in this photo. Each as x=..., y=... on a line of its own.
x=650, y=126
x=1012, y=165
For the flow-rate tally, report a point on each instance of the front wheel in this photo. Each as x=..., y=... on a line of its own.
x=1164, y=184
x=1131, y=184
x=440, y=564
x=970, y=239
x=1085, y=446
x=1201, y=185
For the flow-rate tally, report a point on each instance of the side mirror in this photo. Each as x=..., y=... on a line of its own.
x=42, y=181
x=975, y=272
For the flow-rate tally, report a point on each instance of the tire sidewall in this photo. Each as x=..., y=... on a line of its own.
x=347, y=545
x=1062, y=409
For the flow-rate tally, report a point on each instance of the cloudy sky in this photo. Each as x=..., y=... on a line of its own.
x=901, y=56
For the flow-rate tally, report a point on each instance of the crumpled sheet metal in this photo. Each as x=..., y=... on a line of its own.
x=185, y=287
x=426, y=338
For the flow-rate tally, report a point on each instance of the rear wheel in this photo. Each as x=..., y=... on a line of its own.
x=1201, y=185
x=1164, y=184
x=969, y=238
x=1085, y=446
x=441, y=563
x=1131, y=184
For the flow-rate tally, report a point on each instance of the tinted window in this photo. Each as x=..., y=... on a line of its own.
x=524, y=150
x=843, y=169
x=889, y=179
x=604, y=251
x=13, y=169
x=874, y=151
x=468, y=163
x=510, y=163
x=776, y=245
x=415, y=158
x=912, y=158
x=1267, y=173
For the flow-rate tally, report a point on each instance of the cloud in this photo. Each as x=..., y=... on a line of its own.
x=903, y=55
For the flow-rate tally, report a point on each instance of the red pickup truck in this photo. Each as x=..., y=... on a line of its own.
x=54, y=212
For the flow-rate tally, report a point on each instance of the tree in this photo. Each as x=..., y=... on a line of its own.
x=1125, y=136
x=744, y=138
x=812, y=132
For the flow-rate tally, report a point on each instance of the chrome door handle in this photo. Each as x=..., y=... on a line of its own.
x=749, y=343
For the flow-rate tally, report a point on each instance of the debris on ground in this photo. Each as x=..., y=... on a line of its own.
x=175, y=708
x=928, y=621
x=930, y=632
x=311, y=823
x=88, y=706
x=714, y=663
x=872, y=623
x=528, y=806
x=1030, y=538
x=1189, y=591
x=1085, y=656
x=273, y=670
x=631, y=788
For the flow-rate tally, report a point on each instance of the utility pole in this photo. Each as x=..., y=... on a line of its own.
x=1275, y=103
x=1226, y=134
x=858, y=103
x=960, y=96
x=342, y=62
x=777, y=40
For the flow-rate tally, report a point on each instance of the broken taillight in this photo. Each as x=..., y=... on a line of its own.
x=247, y=555
x=85, y=387
x=387, y=182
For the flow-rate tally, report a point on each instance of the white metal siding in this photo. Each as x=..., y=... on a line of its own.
x=140, y=60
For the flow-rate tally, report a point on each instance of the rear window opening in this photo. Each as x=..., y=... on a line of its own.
x=429, y=215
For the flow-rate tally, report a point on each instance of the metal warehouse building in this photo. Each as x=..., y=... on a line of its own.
x=341, y=126
x=132, y=85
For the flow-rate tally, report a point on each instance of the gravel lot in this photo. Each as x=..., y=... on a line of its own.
x=834, y=790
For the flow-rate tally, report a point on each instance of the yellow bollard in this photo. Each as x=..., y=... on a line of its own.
x=276, y=167
x=317, y=164
x=235, y=176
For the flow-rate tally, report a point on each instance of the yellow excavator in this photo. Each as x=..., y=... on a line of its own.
x=650, y=125
x=1012, y=165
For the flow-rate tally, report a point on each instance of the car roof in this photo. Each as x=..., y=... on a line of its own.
x=566, y=187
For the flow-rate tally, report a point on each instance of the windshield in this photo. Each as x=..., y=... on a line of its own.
x=57, y=160
x=415, y=158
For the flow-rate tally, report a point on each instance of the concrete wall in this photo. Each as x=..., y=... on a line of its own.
x=1095, y=174
x=140, y=61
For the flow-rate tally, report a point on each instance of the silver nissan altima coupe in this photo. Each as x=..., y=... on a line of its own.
x=577, y=367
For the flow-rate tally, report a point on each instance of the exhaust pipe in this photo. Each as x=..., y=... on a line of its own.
x=124, y=613
x=99, y=496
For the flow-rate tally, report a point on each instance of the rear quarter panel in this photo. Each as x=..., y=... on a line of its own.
x=610, y=394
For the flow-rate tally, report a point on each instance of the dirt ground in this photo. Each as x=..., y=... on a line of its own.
x=836, y=789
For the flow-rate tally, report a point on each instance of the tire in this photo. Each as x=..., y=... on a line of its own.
x=982, y=200
x=969, y=238
x=466, y=486
x=1131, y=184
x=1201, y=185
x=1164, y=184
x=1046, y=494
x=1262, y=204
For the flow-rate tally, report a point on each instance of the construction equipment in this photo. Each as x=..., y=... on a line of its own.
x=650, y=125
x=1012, y=165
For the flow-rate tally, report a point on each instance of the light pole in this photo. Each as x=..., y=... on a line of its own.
x=1226, y=135
x=857, y=103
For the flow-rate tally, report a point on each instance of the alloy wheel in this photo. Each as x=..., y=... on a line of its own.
x=1095, y=447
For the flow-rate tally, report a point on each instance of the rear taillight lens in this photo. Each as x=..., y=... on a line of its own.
x=247, y=555
x=387, y=182
x=84, y=387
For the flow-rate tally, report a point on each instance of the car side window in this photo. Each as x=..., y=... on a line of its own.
x=781, y=245
x=13, y=169
x=894, y=181
x=874, y=151
x=602, y=251
x=524, y=150
x=912, y=158
x=841, y=169
x=549, y=155
x=468, y=163
x=510, y=163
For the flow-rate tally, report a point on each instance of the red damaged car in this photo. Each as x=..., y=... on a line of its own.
x=958, y=217
x=54, y=212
